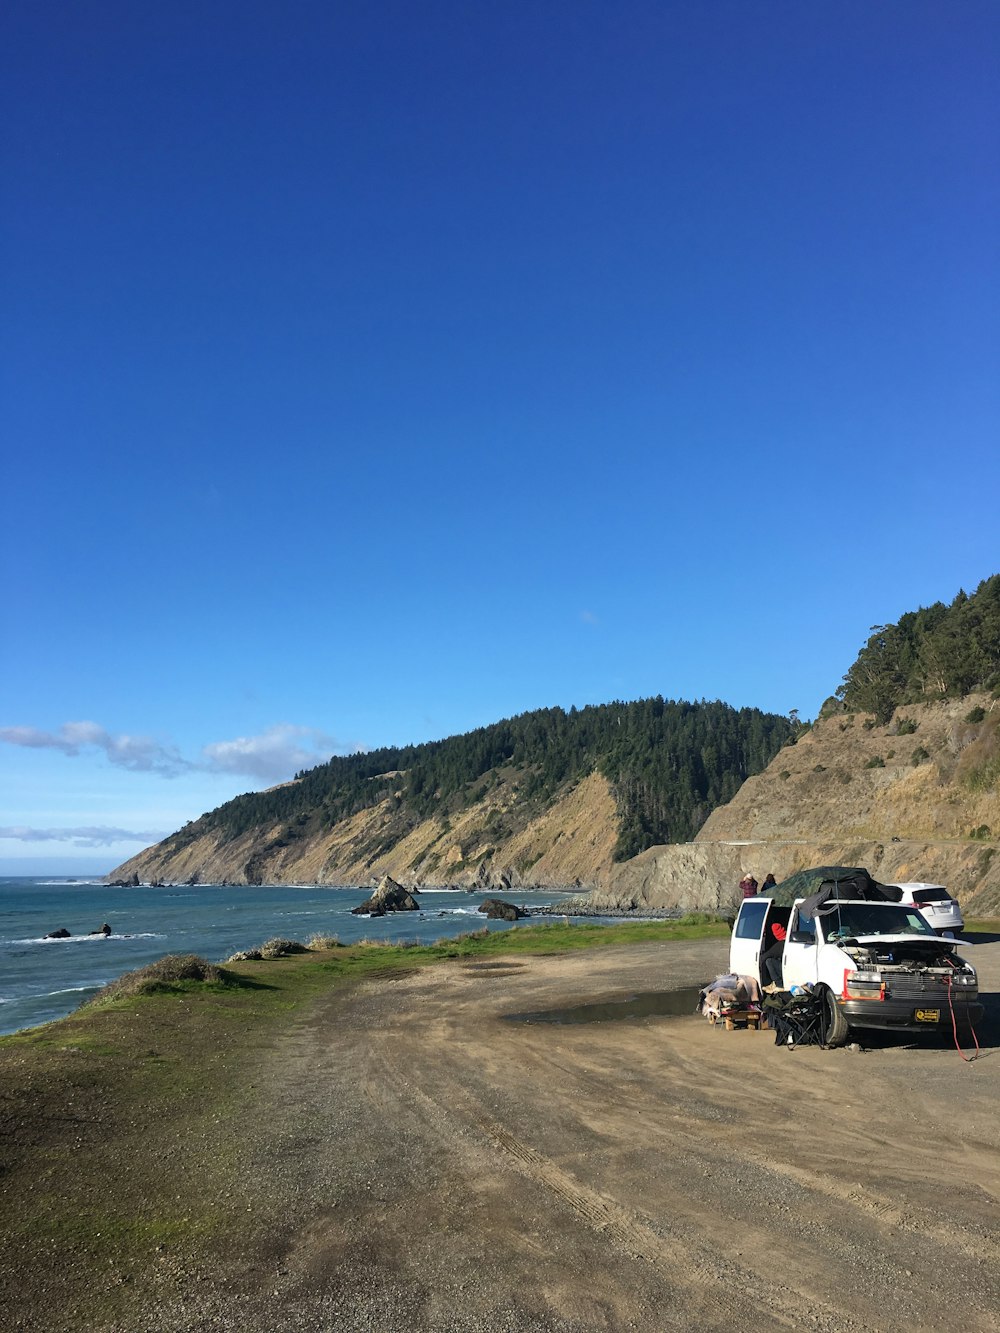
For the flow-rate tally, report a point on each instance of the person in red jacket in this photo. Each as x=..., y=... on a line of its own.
x=749, y=886
x=770, y=959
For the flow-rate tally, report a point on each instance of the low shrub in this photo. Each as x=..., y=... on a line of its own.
x=325, y=942
x=278, y=948
x=919, y=756
x=784, y=775
x=164, y=974
x=975, y=714
x=982, y=834
x=906, y=726
x=876, y=761
x=245, y=956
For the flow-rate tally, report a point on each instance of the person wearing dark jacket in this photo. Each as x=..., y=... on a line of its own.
x=768, y=885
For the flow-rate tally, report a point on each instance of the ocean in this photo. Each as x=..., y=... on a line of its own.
x=43, y=979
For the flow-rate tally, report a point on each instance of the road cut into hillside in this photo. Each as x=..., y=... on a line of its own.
x=421, y=1156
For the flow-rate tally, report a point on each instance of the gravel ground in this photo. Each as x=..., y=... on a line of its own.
x=406, y=1155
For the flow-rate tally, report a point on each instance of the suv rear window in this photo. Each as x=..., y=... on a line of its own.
x=931, y=896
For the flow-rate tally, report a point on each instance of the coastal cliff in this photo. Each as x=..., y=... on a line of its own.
x=909, y=799
x=913, y=798
x=658, y=803
x=550, y=798
x=571, y=844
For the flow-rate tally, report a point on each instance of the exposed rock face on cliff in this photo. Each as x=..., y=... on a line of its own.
x=916, y=798
x=569, y=844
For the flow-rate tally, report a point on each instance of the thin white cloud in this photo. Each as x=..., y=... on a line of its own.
x=139, y=754
x=275, y=755
x=82, y=837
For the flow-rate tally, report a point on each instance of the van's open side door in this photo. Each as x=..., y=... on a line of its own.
x=745, y=946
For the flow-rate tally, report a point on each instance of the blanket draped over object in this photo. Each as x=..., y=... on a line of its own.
x=727, y=991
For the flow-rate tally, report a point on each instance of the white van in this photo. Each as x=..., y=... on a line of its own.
x=874, y=964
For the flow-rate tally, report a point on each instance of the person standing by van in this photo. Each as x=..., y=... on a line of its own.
x=748, y=885
x=770, y=959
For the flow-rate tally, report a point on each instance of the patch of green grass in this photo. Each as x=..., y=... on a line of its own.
x=114, y=1234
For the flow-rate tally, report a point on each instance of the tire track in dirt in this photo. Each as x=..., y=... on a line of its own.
x=715, y=1279
x=708, y=1137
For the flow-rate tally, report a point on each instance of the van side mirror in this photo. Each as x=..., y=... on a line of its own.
x=802, y=937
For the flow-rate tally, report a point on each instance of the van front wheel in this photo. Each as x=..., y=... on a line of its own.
x=834, y=1023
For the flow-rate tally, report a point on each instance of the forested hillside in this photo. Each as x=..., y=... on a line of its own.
x=669, y=764
x=938, y=652
x=558, y=798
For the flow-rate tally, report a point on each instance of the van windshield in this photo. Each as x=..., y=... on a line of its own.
x=852, y=919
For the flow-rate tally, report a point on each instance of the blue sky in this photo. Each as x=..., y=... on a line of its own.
x=373, y=372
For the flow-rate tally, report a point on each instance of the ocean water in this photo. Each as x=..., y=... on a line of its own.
x=41, y=979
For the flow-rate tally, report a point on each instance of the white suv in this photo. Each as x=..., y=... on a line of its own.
x=938, y=907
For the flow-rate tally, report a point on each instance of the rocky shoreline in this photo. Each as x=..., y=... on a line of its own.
x=610, y=913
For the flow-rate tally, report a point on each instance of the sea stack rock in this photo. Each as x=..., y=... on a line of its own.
x=388, y=897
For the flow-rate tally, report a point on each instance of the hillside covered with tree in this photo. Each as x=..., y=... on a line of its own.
x=938, y=652
x=669, y=764
x=665, y=765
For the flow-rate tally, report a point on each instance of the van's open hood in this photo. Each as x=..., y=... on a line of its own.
x=947, y=946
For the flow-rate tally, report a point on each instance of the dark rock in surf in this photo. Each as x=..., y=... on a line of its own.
x=496, y=909
x=131, y=883
x=61, y=934
x=388, y=897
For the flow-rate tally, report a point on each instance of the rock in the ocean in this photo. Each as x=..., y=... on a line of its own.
x=388, y=897
x=61, y=934
x=497, y=909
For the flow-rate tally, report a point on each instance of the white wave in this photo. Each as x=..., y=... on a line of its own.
x=89, y=939
x=67, y=883
x=452, y=893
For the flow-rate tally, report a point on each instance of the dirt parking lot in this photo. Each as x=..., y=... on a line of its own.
x=417, y=1159
x=444, y=1167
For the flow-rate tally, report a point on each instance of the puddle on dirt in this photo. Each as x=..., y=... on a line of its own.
x=648, y=1004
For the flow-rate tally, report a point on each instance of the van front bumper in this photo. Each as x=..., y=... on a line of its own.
x=920, y=1011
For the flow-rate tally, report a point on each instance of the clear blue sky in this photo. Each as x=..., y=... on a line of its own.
x=372, y=372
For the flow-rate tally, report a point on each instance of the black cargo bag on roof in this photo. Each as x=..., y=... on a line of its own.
x=832, y=884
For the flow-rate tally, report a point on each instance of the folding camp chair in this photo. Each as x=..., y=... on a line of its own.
x=797, y=1019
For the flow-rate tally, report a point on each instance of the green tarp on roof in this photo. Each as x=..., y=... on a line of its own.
x=855, y=880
